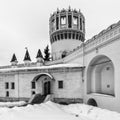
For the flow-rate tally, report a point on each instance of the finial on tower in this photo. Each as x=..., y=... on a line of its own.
x=39, y=58
x=27, y=58
x=57, y=10
x=69, y=9
x=14, y=60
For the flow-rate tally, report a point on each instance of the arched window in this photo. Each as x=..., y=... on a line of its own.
x=64, y=54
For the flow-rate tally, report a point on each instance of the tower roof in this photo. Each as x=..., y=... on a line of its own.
x=27, y=56
x=14, y=59
x=39, y=54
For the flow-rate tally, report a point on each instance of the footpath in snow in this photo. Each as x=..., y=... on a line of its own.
x=53, y=111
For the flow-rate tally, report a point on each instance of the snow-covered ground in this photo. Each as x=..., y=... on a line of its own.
x=53, y=111
x=12, y=104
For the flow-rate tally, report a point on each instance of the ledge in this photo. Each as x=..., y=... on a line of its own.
x=102, y=95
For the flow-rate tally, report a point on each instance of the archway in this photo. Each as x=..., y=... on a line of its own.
x=92, y=102
x=44, y=83
x=100, y=76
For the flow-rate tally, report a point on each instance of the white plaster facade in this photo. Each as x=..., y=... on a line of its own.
x=91, y=71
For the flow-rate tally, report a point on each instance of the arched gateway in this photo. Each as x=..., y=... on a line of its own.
x=44, y=83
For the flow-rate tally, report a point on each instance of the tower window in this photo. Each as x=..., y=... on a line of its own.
x=33, y=92
x=7, y=93
x=79, y=37
x=57, y=23
x=58, y=37
x=80, y=23
x=60, y=84
x=76, y=36
x=73, y=36
x=12, y=85
x=69, y=35
x=75, y=20
x=63, y=20
x=6, y=85
x=69, y=21
x=55, y=38
x=61, y=36
x=33, y=86
x=65, y=35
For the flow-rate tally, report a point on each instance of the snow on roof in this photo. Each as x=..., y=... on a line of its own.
x=42, y=67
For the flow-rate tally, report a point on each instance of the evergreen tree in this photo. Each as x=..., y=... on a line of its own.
x=47, y=53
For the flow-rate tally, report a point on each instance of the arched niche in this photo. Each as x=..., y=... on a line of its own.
x=100, y=76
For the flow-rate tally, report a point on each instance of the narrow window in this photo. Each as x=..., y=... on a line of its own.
x=69, y=35
x=12, y=85
x=73, y=36
x=65, y=35
x=61, y=36
x=7, y=93
x=57, y=23
x=75, y=20
x=80, y=23
x=69, y=21
x=6, y=85
x=33, y=85
x=77, y=36
x=60, y=84
x=63, y=20
x=58, y=37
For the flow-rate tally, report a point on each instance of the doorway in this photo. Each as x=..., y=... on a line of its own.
x=47, y=88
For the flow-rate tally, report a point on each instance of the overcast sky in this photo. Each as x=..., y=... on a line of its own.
x=25, y=23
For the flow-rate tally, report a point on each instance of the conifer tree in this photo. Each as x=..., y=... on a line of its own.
x=47, y=53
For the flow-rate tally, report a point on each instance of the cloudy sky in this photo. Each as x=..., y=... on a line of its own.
x=25, y=23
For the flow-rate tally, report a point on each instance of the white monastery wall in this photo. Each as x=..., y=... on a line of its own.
x=63, y=45
x=72, y=85
x=111, y=49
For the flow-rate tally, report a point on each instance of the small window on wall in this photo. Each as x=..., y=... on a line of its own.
x=33, y=85
x=33, y=92
x=63, y=20
x=60, y=84
x=12, y=85
x=75, y=20
x=6, y=85
x=7, y=93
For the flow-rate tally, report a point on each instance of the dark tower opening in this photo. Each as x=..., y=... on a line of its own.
x=69, y=21
x=57, y=23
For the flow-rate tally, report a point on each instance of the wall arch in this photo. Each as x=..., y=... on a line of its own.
x=100, y=76
x=92, y=102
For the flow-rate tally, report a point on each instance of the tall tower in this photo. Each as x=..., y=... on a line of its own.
x=67, y=31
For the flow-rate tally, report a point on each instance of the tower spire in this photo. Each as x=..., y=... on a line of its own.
x=14, y=60
x=39, y=58
x=39, y=54
x=27, y=56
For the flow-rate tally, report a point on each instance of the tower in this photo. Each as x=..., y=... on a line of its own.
x=67, y=31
